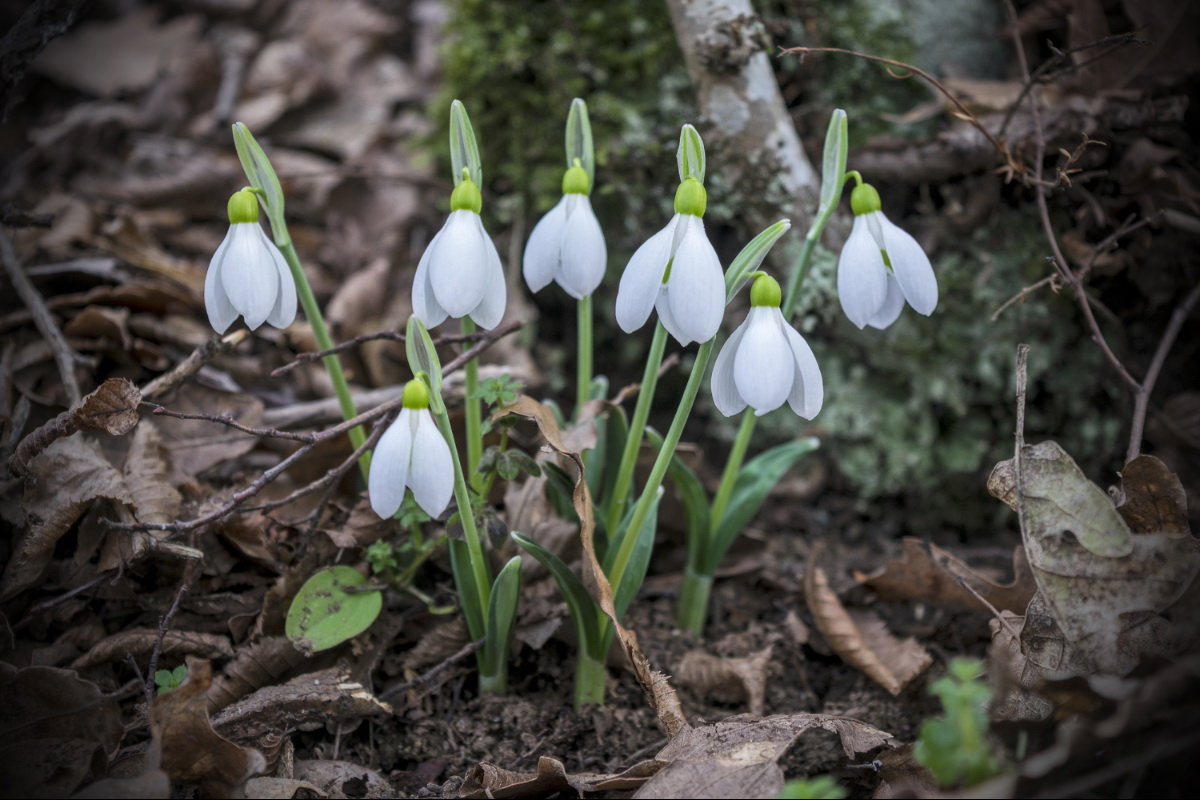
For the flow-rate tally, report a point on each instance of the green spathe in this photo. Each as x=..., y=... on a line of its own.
x=691, y=198
x=243, y=207
x=864, y=200
x=466, y=197
x=765, y=291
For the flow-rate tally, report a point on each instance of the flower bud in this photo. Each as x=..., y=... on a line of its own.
x=864, y=200
x=416, y=394
x=765, y=291
x=466, y=197
x=690, y=198
x=242, y=207
x=575, y=181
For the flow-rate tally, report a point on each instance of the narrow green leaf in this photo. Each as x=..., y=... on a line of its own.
x=690, y=156
x=423, y=357
x=579, y=140
x=755, y=481
x=692, y=493
x=464, y=150
x=752, y=256
x=262, y=176
x=615, y=433
x=579, y=602
x=561, y=489
x=468, y=589
x=328, y=611
x=639, y=560
x=502, y=612
x=833, y=162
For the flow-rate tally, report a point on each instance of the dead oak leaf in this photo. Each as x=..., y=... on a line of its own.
x=737, y=679
x=111, y=408
x=550, y=778
x=1152, y=498
x=861, y=639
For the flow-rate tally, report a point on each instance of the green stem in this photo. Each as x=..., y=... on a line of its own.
x=732, y=466
x=637, y=427
x=583, y=359
x=591, y=675
x=332, y=365
x=803, y=263
x=659, y=470
x=494, y=685
x=462, y=495
x=693, y=601
x=474, y=417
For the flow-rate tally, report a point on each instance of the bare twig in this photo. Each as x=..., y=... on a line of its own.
x=432, y=672
x=1054, y=281
x=64, y=355
x=1019, y=433
x=192, y=364
x=190, y=573
x=392, y=336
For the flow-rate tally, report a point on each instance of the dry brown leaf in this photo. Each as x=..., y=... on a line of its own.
x=63, y=480
x=739, y=758
x=149, y=783
x=1153, y=499
x=257, y=665
x=656, y=686
x=924, y=571
x=281, y=788
x=861, y=639
x=196, y=445
x=1012, y=676
x=730, y=679
x=55, y=728
x=192, y=752
x=112, y=408
x=139, y=642
x=550, y=778
x=147, y=474
x=341, y=779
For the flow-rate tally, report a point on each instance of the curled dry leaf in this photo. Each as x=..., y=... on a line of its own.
x=729, y=679
x=147, y=473
x=738, y=758
x=1102, y=585
x=62, y=482
x=924, y=571
x=551, y=778
x=1152, y=498
x=55, y=729
x=139, y=642
x=260, y=664
x=112, y=408
x=343, y=779
x=861, y=639
x=656, y=686
x=192, y=752
x=281, y=789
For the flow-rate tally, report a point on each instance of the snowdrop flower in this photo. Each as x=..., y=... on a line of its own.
x=460, y=273
x=247, y=276
x=677, y=272
x=881, y=267
x=766, y=362
x=412, y=454
x=567, y=245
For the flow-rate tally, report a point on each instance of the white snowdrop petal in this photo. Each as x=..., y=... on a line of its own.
x=424, y=304
x=861, y=275
x=583, y=254
x=248, y=274
x=389, y=466
x=642, y=278
x=763, y=368
x=889, y=312
x=221, y=312
x=696, y=288
x=808, y=389
x=284, y=312
x=663, y=306
x=431, y=474
x=912, y=268
x=540, y=261
x=458, y=271
x=490, y=310
x=724, y=390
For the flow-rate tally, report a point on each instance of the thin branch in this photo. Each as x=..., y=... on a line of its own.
x=330, y=477
x=392, y=336
x=190, y=573
x=1055, y=282
x=192, y=364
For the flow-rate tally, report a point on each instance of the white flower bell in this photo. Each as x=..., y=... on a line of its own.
x=766, y=362
x=567, y=245
x=881, y=267
x=678, y=273
x=412, y=454
x=460, y=272
x=248, y=276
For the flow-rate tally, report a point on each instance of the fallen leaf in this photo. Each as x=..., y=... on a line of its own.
x=62, y=482
x=196, y=445
x=260, y=664
x=192, y=752
x=861, y=639
x=739, y=758
x=1152, y=498
x=551, y=777
x=112, y=408
x=1013, y=678
x=280, y=788
x=343, y=779
x=151, y=783
x=924, y=571
x=139, y=642
x=1101, y=584
x=147, y=472
x=730, y=679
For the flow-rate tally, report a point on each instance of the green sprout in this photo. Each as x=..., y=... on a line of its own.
x=955, y=746
x=168, y=679
x=822, y=787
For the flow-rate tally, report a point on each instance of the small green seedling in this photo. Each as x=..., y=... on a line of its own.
x=822, y=786
x=168, y=679
x=955, y=746
x=332, y=607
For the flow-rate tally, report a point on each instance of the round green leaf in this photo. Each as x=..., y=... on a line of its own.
x=327, y=611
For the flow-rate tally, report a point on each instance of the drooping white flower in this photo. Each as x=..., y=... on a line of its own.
x=881, y=267
x=766, y=362
x=248, y=276
x=460, y=272
x=411, y=454
x=678, y=273
x=567, y=245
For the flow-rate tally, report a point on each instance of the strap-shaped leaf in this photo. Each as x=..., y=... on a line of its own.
x=423, y=357
x=752, y=256
x=464, y=149
x=616, y=431
x=690, y=156
x=833, y=162
x=560, y=487
x=754, y=482
x=691, y=492
x=579, y=140
x=468, y=590
x=579, y=602
x=502, y=612
x=639, y=559
x=262, y=176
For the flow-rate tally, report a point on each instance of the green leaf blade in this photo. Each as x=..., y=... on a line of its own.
x=327, y=611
